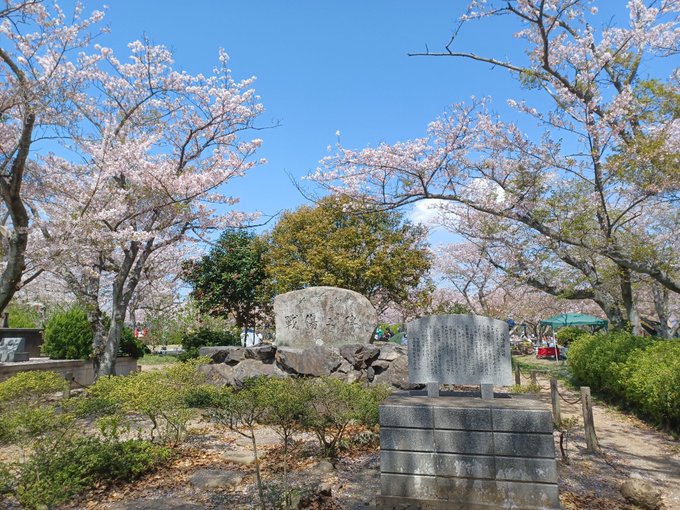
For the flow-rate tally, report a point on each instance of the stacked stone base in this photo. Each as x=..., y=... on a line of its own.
x=466, y=453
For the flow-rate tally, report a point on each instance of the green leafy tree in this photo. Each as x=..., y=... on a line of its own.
x=376, y=254
x=230, y=280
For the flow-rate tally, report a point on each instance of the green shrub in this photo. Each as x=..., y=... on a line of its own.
x=22, y=315
x=640, y=373
x=597, y=360
x=54, y=475
x=68, y=335
x=191, y=342
x=567, y=335
x=160, y=396
x=333, y=404
x=652, y=382
x=130, y=345
x=30, y=386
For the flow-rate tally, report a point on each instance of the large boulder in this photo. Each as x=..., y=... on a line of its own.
x=326, y=316
x=396, y=375
x=316, y=362
x=254, y=368
x=218, y=374
x=223, y=354
x=263, y=352
x=360, y=356
x=642, y=494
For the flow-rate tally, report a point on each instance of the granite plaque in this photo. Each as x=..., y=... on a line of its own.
x=327, y=316
x=11, y=348
x=459, y=349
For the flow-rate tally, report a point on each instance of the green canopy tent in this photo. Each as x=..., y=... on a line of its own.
x=575, y=319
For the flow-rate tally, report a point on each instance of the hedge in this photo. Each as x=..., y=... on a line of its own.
x=640, y=373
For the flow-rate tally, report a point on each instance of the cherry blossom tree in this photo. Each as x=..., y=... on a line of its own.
x=590, y=184
x=152, y=148
x=37, y=77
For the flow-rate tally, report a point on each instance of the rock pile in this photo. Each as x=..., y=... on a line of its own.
x=379, y=363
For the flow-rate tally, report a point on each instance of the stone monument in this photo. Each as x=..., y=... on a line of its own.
x=323, y=316
x=459, y=451
x=459, y=349
x=13, y=349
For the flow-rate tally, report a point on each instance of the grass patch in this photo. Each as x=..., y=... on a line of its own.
x=157, y=359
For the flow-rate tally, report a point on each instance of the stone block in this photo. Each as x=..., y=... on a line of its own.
x=420, y=440
x=465, y=466
x=516, y=444
x=526, y=470
x=499, y=494
x=408, y=486
x=416, y=463
x=462, y=418
x=218, y=375
x=417, y=416
x=521, y=420
x=463, y=441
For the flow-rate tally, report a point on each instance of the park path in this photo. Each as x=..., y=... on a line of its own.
x=630, y=449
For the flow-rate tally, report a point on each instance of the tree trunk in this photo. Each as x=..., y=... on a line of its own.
x=661, y=299
x=10, y=191
x=632, y=316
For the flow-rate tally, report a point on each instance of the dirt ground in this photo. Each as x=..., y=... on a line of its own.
x=587, y=481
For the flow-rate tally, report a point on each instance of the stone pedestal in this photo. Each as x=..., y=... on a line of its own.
x=466, y=453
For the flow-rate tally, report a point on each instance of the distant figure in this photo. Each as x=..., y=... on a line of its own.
x=249, y=338
x=378, y=333
x=404, y=340
x=388, y=334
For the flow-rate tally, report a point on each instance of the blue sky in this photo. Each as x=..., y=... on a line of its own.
x=323, y=67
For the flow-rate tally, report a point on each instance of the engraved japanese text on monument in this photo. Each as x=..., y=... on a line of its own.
x=459, y=349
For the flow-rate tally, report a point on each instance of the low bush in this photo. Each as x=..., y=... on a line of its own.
x=640, y=373
x=30, y=386
x=567, y=335
x=68, y=335
x=22, y=315
x=54, y=475
x=160, y=396
x=192, y=342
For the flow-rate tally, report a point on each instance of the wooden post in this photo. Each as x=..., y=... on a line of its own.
x=587, y=404
x=555, y=398
x=534, y=381
x=69, y=381
x=518, y=381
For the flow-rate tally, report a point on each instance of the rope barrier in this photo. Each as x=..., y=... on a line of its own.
x=569, y=401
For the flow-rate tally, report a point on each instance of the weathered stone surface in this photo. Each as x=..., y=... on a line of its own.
x=459, y=349
x=360, y=356
x=642, y=493
x=396, y=375
x=380, y=365
x=263, y=352
x=215, y=478
x=239, y=457
x=253, y=368
x=317, y=361
x=218, y=374
x=344, y=367
x=322, y=467
x=223, y=354
x=390, y=351
x=323, y=316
